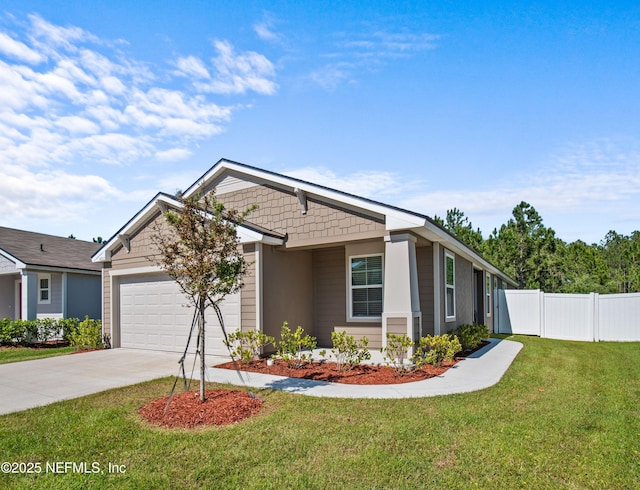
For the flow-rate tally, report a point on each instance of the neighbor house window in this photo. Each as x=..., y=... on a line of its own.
x=488, y=294
x=366, y=286
x=450, y=285
x=44, y=288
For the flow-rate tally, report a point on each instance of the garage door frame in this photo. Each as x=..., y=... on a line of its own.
x=116, y=277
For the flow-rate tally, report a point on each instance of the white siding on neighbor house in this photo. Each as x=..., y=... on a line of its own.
x=587, y=317
x=7, y=266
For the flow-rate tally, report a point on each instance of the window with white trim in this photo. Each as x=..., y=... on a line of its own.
x=488, y=294
x=44, y=289
x=450, y=285
x=365, y=286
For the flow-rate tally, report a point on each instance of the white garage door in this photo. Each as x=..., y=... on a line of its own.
x=154, y=315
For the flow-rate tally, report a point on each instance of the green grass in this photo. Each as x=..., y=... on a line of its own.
x=17, y=354
x=566, y=415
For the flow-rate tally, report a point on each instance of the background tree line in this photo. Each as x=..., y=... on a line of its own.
x=536, y=258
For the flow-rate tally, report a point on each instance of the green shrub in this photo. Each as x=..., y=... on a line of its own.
x=247, y=346
x=435, y=349
x=293, y=345
x=11, y=331
x=470, y=336
x=36, y=331
x=68, y=325
x=347, y=351
x=87, y=334
x=396, y=351
x=47, y=329
x=30, y=331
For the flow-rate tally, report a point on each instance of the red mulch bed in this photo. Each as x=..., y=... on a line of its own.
x=221, y=407
x=362, y=374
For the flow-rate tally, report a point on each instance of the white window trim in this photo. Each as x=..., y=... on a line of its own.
x=447, y=286
x=487, y=286
x=350, y=317
x=48, y=289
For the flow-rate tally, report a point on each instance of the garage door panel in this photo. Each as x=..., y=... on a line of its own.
x=154, y=315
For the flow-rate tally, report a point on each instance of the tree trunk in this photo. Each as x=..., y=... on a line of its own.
x=201, y=335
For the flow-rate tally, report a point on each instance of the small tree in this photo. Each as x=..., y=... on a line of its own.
x=199, y=250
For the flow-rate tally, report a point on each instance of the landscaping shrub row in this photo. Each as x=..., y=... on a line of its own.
x=86, y=334
x=294, y=347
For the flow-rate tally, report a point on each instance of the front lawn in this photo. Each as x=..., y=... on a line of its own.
x=16, y=354
x=566, y=415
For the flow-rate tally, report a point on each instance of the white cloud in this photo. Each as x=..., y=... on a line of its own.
x=49, y=194
x=90, y=104
x=173, y=154
x=582, y=191
x=239, y=73
x=19, y=50
x=388, y=44
x=330, y=76
x=57, y=36
x=71, y=100
x=587, y=188
x=77, y=125
x=371, y=49
x=264, y=31
x=192, y=66
x=371, y=184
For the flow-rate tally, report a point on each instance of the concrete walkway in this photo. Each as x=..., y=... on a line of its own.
x=481, y=370
x=40, y=382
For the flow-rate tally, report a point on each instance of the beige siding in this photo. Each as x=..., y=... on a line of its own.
x=464, y=293
x=424, y=259
x=142, y=249
x=248, y=291
x=287, y=290
x=397, y=325
x=373, y=334
x=106, y=298
x=280, y=211
x=330, y=295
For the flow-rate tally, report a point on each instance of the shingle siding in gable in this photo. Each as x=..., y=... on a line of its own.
x=280, y=211
x=141, y=247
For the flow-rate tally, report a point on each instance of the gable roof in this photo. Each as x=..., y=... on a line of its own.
x=395, y=218
x=27, y=248
x=247, y=232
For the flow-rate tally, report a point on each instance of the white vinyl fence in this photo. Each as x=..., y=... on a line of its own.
x=590, y=317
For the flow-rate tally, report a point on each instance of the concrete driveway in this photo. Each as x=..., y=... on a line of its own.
x=30, y=384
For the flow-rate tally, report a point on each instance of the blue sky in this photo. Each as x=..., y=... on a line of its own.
x=423, y=105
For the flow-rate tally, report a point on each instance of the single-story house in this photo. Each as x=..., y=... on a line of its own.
x=320, y=258
x=45, y=276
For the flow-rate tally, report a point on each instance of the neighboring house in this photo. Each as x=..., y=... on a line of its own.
x=45, y=276
x=318, y=257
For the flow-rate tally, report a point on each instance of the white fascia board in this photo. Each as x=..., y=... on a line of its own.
x=434, y=233
x=104, y=254
x=399, y=219
x=149, y=269
x=19, y=264
x=247, y=235
x=396, y=221
x=50, y=268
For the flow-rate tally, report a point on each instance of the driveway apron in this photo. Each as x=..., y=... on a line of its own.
x=39, y=382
